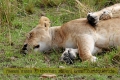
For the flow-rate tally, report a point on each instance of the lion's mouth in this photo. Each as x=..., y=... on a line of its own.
x=41, y=47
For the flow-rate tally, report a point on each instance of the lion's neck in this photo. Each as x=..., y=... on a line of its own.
x=56, y=38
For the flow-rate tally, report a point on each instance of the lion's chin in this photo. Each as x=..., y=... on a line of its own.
x=43, y=47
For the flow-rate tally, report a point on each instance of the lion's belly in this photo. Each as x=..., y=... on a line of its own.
x=115, y=40
x=109, y=34
x=70, y=43
x=105, y=41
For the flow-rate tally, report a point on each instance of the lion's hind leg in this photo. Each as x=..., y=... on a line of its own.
x=93, y=18
x=85, y=45
x=104, y=14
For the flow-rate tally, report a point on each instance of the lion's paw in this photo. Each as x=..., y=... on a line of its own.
x=93, y=59
x=92, y=19
x=106, y=15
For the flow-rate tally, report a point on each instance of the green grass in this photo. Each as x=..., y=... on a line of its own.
x=25, y=17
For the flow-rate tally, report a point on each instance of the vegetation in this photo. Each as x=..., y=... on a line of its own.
x=17, y=17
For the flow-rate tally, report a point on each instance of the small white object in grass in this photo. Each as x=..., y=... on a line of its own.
x=48, y=75
x=61, y=67
x=13, y=58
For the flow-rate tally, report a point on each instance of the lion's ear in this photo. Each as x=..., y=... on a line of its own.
x=44, y=22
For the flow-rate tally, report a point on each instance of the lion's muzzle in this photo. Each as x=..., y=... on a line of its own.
x=24, y=49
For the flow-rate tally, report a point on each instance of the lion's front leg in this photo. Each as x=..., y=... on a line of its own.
x=85, y=45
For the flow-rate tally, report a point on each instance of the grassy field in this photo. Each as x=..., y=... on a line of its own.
x=18, y=17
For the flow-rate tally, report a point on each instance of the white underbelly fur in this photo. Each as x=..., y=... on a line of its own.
x=70, y=43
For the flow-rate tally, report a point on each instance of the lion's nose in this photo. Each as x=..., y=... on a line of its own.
x=24, y=49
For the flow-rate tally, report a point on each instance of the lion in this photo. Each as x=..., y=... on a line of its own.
x=78, y=34
x=104, y=14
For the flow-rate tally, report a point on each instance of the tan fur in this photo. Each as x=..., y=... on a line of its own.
x=78, y=34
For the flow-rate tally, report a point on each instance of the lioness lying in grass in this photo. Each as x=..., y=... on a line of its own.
x=76, y=33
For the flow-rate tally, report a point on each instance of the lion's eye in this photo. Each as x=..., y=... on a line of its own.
x=25, y=45
x=36, y=46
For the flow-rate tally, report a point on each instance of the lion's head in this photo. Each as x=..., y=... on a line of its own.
x=38, y=38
